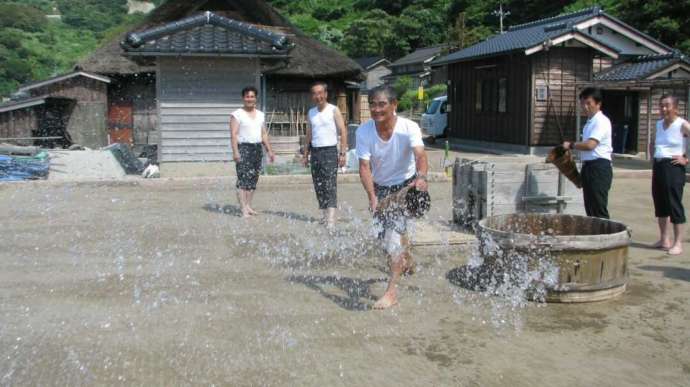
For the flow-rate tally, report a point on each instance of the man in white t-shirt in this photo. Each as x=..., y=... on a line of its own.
x=595, y=153
x=391, y=156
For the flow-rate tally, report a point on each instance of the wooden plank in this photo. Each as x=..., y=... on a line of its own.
x=215, y=142
x=195, y=127
x=181, y=119
x=206, y=134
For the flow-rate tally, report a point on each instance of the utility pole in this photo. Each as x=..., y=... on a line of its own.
x=501, y=14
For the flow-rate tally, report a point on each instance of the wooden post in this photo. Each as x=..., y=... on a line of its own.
x=649, y=123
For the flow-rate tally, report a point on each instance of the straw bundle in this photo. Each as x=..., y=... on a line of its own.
x=408, y=202
x=563, y=160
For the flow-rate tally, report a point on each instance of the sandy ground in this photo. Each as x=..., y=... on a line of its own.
x=162, y=285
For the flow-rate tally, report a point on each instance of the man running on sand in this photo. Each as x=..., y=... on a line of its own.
x=391, y=156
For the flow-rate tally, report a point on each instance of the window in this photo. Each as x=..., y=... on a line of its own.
x=541, y=93
x=444, y=108
x=502, y=95
x=492, y=96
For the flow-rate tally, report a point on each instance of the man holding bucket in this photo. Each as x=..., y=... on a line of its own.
x=595, y=153
x=391, y=159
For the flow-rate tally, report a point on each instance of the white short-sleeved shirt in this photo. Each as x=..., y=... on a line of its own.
x=392, y=161
x=599, y=128
x=323, y=128
x=250, y=128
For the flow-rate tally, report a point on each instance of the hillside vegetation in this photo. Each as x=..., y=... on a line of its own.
x=34, y=47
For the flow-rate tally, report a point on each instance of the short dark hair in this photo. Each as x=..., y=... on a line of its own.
x=248, y=89
x=320, y=83
x=384, y=90
x=673, y=98
x=593, y=92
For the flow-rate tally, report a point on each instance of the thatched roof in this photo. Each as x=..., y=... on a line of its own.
x=309, y=58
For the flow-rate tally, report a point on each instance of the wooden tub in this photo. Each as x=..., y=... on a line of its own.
x=591, y=254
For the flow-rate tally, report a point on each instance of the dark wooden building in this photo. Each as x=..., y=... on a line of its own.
x=178, y=75
x=71, y=106
x=517, y=91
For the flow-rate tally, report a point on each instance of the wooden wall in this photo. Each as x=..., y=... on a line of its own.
x=553, y=120
x=647, y=122
x=139, y=91
x=196, y=97
x=87, y=122
x=465, y=122
x=20, y=123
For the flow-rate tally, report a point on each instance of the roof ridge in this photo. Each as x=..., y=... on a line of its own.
x=137, y=39
x=675, y=54
x=587, y=11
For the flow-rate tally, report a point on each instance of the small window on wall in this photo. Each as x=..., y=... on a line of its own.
x=492, y=96
x=542, y=93
x=478, y=97
x=502, y=95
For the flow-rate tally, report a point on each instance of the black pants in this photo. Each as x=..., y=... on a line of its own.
x=668, y=181
x=596, y=183
x=324, y=174
x=249, y=167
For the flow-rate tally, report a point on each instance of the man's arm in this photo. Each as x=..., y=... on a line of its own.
x=307, y=145
x=368, y=183
x=234, y=133
x=267, y=144
x=588, y=145
x=422, y=165
x=683, y=159
x=342, y=128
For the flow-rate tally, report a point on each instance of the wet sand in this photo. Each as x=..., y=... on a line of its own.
x=163, y=285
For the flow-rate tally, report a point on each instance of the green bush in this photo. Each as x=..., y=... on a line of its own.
x=21, y=17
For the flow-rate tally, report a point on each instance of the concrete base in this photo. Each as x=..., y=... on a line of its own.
x=198, y=169
x=497, y=147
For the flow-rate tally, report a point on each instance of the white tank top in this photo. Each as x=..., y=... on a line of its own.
x=323, y=129
x=670, y=141
x=250, y=128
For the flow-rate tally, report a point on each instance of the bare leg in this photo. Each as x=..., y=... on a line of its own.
x=664, y=241
x=390, y=297
x=409, y=267
x=677, y=247
x=250, y=197
x=330, y=217
x=242, y=199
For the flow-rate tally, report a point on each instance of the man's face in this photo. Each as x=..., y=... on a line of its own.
x=381, y=109
x=668, y=108
x=590, y=106
x=249, y=99
x=319, y=95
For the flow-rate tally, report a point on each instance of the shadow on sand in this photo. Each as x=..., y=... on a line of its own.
x=677, y=273
x=470, y=278
x=233, y=209
x=357, y=295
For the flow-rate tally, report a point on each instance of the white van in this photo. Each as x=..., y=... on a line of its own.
x=435, y=119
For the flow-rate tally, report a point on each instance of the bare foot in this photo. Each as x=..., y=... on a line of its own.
x=252, y=212
x=386, y=302
x=675, y=250
x=663, y=245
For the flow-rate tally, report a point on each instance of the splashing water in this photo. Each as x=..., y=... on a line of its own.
x=505, y=279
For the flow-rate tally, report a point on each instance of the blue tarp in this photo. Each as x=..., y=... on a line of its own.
x=15, y=168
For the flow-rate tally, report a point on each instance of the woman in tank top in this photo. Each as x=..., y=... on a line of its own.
x=668, y=174
x=248, y=129
x=325, y=124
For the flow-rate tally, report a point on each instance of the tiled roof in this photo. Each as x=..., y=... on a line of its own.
x=419, y=56
x=367, y=61
x=207, y=33
x=642, y=67
x=523, y=36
